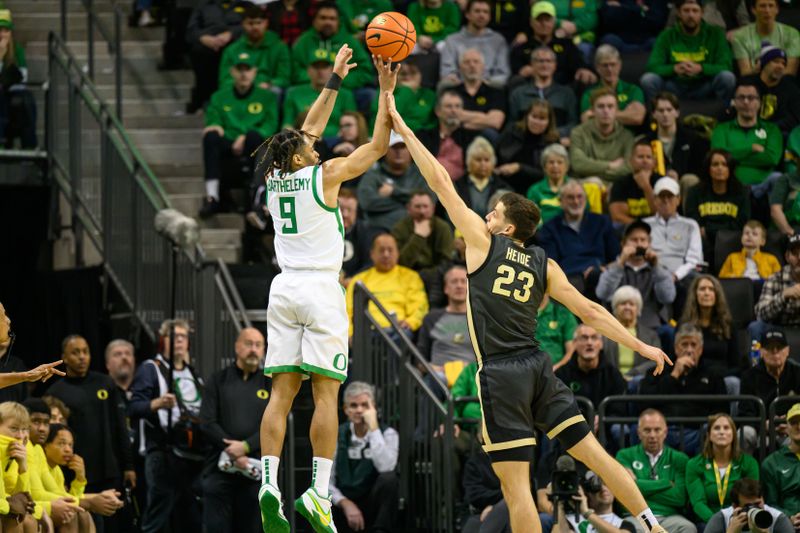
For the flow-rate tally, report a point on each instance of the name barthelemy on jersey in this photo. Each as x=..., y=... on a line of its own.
x=518, y=257
x=288, y=184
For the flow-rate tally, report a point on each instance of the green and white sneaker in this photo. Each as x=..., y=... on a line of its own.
x=317, y=510
x=272, y=518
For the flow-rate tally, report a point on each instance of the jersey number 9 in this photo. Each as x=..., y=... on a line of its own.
x=506, y=276
x=286, y=206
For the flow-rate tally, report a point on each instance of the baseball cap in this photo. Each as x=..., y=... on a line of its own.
x=320, y=56
x=5, y=19
x=636, y=224
x=793, y=241
x=667, y=184
x=543, y=8
x=245, y=59
x=770, y=52
x=774, y=337
x=395, y=138
x=793, y=411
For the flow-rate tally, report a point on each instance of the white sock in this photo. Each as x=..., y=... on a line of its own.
x=212, y=189
x=269, y=470
x=321, y=475
x=647, y=519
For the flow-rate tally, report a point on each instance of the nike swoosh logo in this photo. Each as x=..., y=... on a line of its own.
x=784, y=472
x=324, y=517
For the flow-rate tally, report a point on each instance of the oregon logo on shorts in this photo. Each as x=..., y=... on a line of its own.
x=340, y=362
x=254, y=108
x=262, y=394
x=102, y=394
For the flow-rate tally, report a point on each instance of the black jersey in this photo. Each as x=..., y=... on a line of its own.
x=504, y=297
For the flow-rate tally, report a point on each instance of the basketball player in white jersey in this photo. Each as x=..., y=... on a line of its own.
x=306, y=317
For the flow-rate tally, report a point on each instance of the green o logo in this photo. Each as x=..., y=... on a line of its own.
x=340, y=362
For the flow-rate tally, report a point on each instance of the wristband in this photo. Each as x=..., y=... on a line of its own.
x=334, y=82
x=588, y=513
x=246, y=446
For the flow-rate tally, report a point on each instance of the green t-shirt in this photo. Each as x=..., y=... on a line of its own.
x=271, y=58
x=785, y=192
x=466, y=385
x=583, y=13
x=548, y=201
x=356, y=14
x=663, y=485
x=746, y=41
x=238, y=114
x=555, y=326
x=300, y=99
x=753, y=167
x=626, y=93
x=416, y=107
x=435, y=22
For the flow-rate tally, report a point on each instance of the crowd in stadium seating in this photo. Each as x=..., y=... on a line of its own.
x=17, y=105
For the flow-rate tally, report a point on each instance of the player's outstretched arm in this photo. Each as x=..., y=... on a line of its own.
x=597, y=316
x=320, y=112
x=340, y=169
x=465, y=219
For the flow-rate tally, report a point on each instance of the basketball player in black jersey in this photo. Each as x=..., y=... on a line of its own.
x=516, y=385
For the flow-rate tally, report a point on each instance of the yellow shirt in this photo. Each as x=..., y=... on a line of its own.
x=736, y=263
x=12, y=481
x=400, y=291
x=44, y=488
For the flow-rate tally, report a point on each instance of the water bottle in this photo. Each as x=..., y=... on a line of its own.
x=755, y=352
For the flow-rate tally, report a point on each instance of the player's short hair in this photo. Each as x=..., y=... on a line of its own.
x=277, y=151
x=524, y=214
x=14, y=411
x=357, y=388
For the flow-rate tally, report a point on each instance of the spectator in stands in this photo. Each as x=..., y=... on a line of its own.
x=570, y=65
x=681, y=149
x=542, y=86
x=632, y=26
x=659, y=471
x=353, y=133
x=689, y=375
x=784, y=208
x=638, y=266
x=120, y=363
x=444, y=337
x=383, y=192
x=590, y=374
x=355, y=15
x=780, y=95
x=299, y=98
x=364, y=486
x=779, y=303
x=772, y=376
x=691, y=59
x=674, y=238
x=582, y=243
x=17, y=508
x=630, y=98
x=289, y=18
x=480, y=183
x=170, y=470
x=232, y=474
x=425, y=240
x=399, y=289
x=555, y=331
x=710, y=476
x=781, y=470
x=98, y=420
x=755, y=144
x=632, y=197
x=476, y=34
x=484, y=106
x=601, y=146
x=545, y=193
x=270, y=55
x=746, y=494
x=751, y=262
x=747, y=40
x=238, y=119
x=718, y=202
x=595, y=510
x=434, y=21
x=448, y=141
x=17, y=104
x=512, y=20
x=357, y=236
x=59, y=412
x=213, y=25
x=521, y=146
x=578, y=23
x=707, y=309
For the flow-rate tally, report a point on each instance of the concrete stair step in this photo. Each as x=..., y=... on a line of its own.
x=54, y=6
x=77, y=32
x=194, y=185
x=232, y=221
x=220, y=237
x=179, y=91
x=175, y=121
x=187, y=203
x=228, y=254
x=142, y=72
x=171, y=153
x=144, y=137
x=173, y=170
x=79, y=48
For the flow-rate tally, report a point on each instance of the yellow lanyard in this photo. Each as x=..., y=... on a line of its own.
x=722, y=486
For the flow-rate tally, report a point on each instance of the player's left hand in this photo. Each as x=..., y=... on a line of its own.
x=657, y=355
x=341, y=65
x=44, y=372
x=387, y=76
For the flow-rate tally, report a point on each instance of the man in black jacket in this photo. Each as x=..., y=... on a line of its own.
x=97, y=420
x=233, y=403
x=780, y=96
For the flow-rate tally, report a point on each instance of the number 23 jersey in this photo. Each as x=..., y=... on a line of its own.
x=504, y=297
x=309, y=235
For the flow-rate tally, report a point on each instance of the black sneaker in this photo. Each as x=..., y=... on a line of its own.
x=209, y=208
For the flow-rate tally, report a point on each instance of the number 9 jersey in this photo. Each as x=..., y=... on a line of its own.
x=309, y=235
x=504, y=297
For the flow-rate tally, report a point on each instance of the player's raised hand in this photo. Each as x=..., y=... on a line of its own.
x=387, y=76
x=657, y=355
x=398, y=124
x=341, y=65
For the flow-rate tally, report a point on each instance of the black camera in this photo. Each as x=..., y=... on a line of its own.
x=757, y=518
x=592, y=484
x=564, y=485
x=640, y=251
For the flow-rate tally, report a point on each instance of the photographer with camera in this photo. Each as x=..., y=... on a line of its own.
x=593, y=509
x=748, y=512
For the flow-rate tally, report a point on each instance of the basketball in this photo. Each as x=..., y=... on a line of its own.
x=391, y=35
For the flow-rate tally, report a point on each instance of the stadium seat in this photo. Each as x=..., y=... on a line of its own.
x=793, y=336
x=727, y=242
x=775, y=245
x=739, y=293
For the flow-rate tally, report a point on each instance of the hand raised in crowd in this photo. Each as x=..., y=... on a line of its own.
x=341, y=67
x=76, y=465
x=44, y=372
x=371, y=416
x=18, y=452
x=355, y=519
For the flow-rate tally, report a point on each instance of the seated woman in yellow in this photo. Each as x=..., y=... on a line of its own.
x=16, y=505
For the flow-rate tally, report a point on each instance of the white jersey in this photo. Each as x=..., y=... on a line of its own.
x=309, y=235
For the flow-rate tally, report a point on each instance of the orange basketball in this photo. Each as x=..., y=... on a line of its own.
x=391, y=35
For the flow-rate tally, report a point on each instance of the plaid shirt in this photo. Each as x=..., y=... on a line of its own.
x=772, y=307
x=290, y=24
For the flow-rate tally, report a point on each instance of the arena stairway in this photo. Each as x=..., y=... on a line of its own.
x=153, y=105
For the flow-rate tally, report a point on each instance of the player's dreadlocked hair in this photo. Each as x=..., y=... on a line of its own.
x=275, y=154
